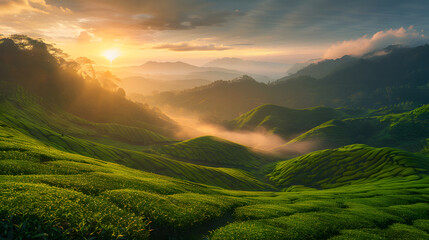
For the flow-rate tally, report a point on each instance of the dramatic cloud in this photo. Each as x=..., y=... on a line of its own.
x=267, y=30
x=150, y=14
x=378, y=41
x=182, y=47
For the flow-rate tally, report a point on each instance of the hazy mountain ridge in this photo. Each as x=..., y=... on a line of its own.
x=271, y=69
x=369, y=82
x=180, y=71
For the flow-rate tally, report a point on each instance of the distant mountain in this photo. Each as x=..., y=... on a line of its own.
x=271, y=69
x=321, y=69
x=152, y=67
x=148, y=86
x=172, y=71
x=300, y=65
x=399, y=76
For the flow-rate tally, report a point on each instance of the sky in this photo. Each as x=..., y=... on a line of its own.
x=197, y=31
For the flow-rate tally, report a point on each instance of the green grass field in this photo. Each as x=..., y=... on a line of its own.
x=49, y=193
x=62, y=177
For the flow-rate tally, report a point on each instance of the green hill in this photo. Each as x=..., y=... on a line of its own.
x=49, y=194
x=20, y=108
x=285, y=122
x=213, y=151
x=109, y=142
x=72, y=86
x=347, y=165
x=409, y=131
x=55, y=194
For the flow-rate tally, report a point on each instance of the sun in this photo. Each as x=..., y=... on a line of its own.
x=111, y=54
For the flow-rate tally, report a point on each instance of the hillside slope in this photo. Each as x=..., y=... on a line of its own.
x=348, y=165
x=109, y=142
x=285, y=122
x=213, y=151
x=51, y=194
x=72, y=86
x=409, y=131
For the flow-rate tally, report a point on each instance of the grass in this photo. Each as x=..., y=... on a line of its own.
x=51, y=193
x=20, y=108
x=67, y=185
x=354, y=163
x=408, y=131
x=209, y=150
x=82, y=196
x=43, y=130
x=384, y=210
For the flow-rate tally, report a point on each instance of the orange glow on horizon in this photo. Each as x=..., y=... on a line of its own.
x=111, y=54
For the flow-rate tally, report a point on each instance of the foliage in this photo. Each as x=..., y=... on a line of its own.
x=351, y=164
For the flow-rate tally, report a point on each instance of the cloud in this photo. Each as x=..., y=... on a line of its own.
x=183, y=47
x=13, y=7
x=18, y=6
x=151, y=14
x=241, y=44
x=84, y=37
x=192, y=126
x=381, y=39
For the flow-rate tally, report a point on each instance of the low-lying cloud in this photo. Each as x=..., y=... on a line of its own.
x=358, y=47
x=184, y=47
x=192, y=126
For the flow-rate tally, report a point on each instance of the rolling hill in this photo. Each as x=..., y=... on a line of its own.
x=407, y=131
x=213, y=151
x=49, y=193
x=286, y=122
x=348, y=165
x=112, y=142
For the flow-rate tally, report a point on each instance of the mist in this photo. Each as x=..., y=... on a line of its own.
x=193, y=126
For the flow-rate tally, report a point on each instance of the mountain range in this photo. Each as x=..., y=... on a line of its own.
x=163, y=76
x=397, y=77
